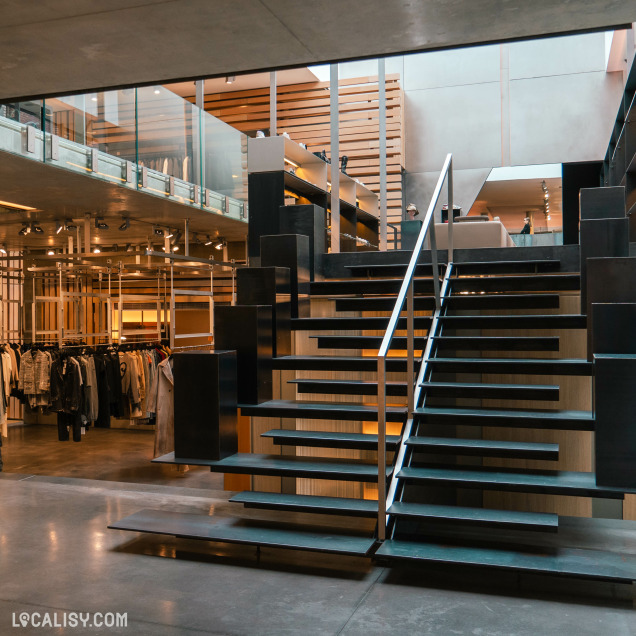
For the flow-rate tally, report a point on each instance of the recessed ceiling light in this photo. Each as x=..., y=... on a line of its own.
x=157, y=91
x=96, y=250
x=51, y=252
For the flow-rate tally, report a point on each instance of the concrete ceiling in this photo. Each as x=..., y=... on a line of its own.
x=51, y=48
x=58, y=194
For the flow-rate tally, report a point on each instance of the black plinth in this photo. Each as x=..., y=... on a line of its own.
x=205, y=404
x=609, y=280
x=292, y=251
x=266, y=195
x=310, y=221
x=269, y=286
x=601, y=238
x=602, y=203
x=247, y=329
x=615, y=406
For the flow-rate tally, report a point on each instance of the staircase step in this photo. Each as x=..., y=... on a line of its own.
x=321, y=410
x=354, y=323
x=336, y=363
x=484, y=448
x=508, y=519
x=547, y=482
x=527, y=366
x=367, y=286
x=548, y=321
x=485, y=391
x=308, y=503
x=497, y=343
x=198, y=526
x=383, y=303
x=514, y=418
x=590, y=564
x=535, y=282
x=347, y=387
x=283, y=466
x=368, y=342
x=465, y=302
x=326, y=439
x=471, y=267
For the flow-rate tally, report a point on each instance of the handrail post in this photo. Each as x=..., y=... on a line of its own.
x=381, y=448
x=433, y=240
x=410, y=346
x=450, y=212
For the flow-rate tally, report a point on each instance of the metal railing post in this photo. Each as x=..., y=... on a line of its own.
x=410, y=345
x=381, y=448
x=438, y=301
x=450, y=211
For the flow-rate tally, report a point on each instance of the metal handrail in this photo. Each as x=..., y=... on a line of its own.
x=406, y=294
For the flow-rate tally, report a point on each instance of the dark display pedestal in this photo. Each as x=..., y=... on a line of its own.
x=205, y=404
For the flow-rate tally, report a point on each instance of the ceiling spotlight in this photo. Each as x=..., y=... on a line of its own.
x=176, y=237
x=51, y=252
x=175, y=248
x=220, y=244
x=100, y=224
x=26, y=228
x=157, y=91
x=36, y=228
x=126, y=224
x=96, y=250
x=157, y=231
x=3, y=249
x=94, y=99
x=69, y=225
x=129, y=247
x=58, y=227
x=170, y=233
x=209, y=241
x=229, y=79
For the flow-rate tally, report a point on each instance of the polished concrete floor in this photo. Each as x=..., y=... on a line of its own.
x=107, y=454
x=56, y=554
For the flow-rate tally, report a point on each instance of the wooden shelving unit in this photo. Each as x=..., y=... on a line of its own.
x=280, y=171
x=619, y=165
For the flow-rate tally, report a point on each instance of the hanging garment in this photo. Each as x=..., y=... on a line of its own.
x=104, y=388
x=92, y=390
x=161, y=403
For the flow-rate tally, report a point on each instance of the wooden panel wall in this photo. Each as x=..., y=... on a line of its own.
x=303, y=112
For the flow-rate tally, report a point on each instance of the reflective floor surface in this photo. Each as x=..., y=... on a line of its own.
x=56, y=554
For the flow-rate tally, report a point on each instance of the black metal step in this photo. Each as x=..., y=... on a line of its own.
x=527, y=366
x=461, y=302
x=326, y=439
x=547, y=321
x=589, y=564
x=283, y=466
x=508, y=519
x=368, y=342
x=359, y=323
x=514, y=418
x=308, y=503
x=367, y=286
x=382, y=303
x=497, y=343
x=536, y=282
x=347, y=387
x=198, y=526
x=467, y=302
x=321, y=410
x=484, y=448
x=549, y=482
x=336, y=363
x=480, y=390
x=472, y=267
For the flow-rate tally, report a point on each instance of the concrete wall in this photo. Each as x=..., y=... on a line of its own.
x=542, y=101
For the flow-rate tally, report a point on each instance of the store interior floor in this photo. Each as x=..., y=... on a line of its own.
x=104, y=453
x=57, y=555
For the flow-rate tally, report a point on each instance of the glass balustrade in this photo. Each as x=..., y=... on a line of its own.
x=148, y=139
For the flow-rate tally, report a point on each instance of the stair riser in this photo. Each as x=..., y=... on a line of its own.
x=309, y=474
x=314, y=510
x=536, y=422
x=331, y=444
x=514, y=284
x=368, y=286
x=555, y=321
x=478, y=302
x=512, y=367
x=497, y=344
x=379, y=323
x=476, y=452
x=336, y=389
x=421, y=303
x=315, y=414
x=478, y=523
x=493, y=394
x=369, y=343
x=370, y=364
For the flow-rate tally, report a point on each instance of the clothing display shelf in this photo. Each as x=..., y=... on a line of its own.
x=619, y=165
x=306, y=178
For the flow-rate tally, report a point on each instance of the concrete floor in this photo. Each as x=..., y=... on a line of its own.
x=56, y=554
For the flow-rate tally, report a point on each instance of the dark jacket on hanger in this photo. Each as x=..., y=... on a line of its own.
x=66, y=386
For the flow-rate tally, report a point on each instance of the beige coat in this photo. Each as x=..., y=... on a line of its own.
x=161, y=402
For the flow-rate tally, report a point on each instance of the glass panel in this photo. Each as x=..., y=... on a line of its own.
x=225, y=163
x=15, y=119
